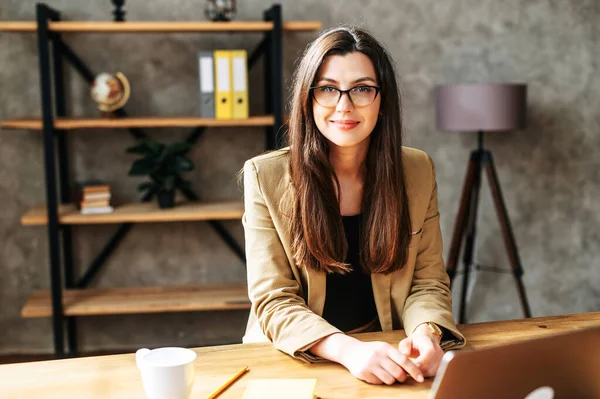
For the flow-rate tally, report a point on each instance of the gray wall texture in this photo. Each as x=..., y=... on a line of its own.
x=549, y=172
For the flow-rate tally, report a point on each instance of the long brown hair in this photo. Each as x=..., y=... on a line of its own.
x=319, y=240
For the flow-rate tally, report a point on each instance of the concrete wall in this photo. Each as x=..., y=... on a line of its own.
x=549, y=171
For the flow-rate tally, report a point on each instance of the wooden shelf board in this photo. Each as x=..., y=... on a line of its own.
x=143, y=212
x=105, y=301
x=35, y=123
x=302, y=26
x=158, y=26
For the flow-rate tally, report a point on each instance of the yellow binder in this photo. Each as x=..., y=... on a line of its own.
x=240, y=83
x=223, y=93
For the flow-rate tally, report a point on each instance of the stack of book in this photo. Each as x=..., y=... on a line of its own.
x=93, y=197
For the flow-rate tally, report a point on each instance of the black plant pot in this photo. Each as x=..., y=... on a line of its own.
x=166, y=199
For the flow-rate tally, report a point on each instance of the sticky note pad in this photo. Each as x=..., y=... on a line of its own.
x=281, y=388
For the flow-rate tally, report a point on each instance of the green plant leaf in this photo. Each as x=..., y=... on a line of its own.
x=176, y=148
x=148, y=185
x=183, y=164
x=142, y=167
x=157, y=178
x=139, y=149
x=153, y=145
x=146, y=146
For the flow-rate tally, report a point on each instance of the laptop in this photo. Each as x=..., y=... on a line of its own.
x=563, y=365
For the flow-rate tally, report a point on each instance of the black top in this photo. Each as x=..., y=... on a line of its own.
x=349, y=301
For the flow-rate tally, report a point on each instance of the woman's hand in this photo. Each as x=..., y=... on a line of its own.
x=424, y=349
x=379, y=362
x=373, y=362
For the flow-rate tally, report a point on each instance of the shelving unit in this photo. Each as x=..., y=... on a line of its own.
x=69, y=298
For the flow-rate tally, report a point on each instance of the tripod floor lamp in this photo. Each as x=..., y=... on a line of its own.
x=481, y=108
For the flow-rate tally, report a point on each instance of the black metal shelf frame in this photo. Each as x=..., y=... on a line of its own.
x=52, y=50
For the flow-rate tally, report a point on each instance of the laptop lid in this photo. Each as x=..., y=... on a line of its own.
x=563, y=365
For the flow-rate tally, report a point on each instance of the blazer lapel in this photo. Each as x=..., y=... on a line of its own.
x=382, y=293
x=317, y=283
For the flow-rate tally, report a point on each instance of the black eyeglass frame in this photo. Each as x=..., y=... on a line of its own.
x=342, y=92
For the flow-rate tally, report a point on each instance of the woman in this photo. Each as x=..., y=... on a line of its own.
x=342, y=228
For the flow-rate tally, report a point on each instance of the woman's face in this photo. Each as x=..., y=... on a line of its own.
x=345, y=124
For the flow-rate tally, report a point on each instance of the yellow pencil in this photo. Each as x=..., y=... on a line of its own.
x=228, y=383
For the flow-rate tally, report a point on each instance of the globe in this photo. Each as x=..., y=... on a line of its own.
x=110, y=91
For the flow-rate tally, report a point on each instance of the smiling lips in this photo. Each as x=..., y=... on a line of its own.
x=345, y=124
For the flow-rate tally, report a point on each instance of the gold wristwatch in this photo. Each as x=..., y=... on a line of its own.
x=435, y=330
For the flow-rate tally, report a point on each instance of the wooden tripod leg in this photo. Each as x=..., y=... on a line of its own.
x=470, y=234
x=507, y=233
x=461, y=218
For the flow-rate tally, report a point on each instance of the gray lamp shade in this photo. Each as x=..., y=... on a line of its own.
x=481, y=107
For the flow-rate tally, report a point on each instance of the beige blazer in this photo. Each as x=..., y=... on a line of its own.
x=287, y=301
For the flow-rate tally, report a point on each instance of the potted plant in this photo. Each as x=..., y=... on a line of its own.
x=163, y=164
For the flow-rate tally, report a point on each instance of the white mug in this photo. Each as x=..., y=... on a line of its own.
x=167, y=373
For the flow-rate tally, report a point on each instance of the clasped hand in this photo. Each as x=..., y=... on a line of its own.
x=424, y=349
x=381, y=363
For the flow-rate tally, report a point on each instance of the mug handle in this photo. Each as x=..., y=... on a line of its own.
x=139, y=356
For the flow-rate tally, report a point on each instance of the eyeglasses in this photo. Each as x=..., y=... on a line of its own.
x=360, y=96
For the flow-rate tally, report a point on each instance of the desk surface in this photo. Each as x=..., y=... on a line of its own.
x=117, y=376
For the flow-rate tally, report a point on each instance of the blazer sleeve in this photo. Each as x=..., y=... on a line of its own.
x=430, y=298
x=282, y=313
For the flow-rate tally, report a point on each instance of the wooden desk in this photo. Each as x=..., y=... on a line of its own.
x=118, y=377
